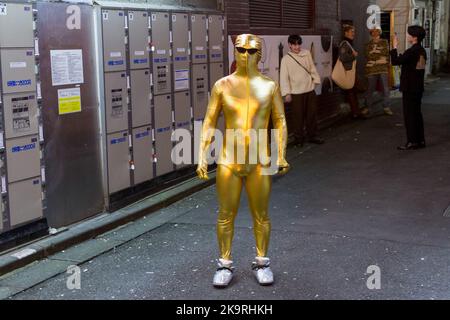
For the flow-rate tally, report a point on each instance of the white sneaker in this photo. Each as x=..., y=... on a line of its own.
x=262, y=271
x=224, y=274
x=388, y=111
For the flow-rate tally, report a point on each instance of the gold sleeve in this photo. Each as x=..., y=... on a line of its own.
x=279, y=123
x=210, y=124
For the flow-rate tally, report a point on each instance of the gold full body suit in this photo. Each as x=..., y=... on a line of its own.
x=248, y=100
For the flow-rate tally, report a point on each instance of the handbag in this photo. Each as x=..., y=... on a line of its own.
x=345, y=79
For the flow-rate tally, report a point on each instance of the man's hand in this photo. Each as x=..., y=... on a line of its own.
x=202, y=172
x=288, y=98
x=355, y=53
x=283, y=167
x=395, y=42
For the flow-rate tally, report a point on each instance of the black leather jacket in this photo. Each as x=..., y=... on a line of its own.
x=346, y=54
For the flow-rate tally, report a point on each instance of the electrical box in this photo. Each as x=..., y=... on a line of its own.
x=200, y=90
x=118, y=161
x=116, y=101
x=18, y=70
x=16, y=25
x=23, y=158
x=113, y=24
x=138, y=39
x=21, y=115
x=140, y=98
x=25, y=201
x=216, y=73
x=142, y=154
x=216, y=38
x=198, y=38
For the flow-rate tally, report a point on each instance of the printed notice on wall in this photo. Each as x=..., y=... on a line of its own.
x=69, y=101
x=181, y=79
x=67, y=67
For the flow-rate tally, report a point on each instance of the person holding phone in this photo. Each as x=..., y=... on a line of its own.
x=412, y=84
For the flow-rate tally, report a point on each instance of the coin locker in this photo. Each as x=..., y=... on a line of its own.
x=18, y=70
x=138, y=39
x=216, y=38
x=17, y=17
x=116, y=101
x=140, y=98
x=200, y=90
x=181, y=63
x=198, y=36
x=142, y=154
x=25, y=201
x=160, y=23
x=21, y=114
x=163, y=134
x=118, y=161
x=113, y=24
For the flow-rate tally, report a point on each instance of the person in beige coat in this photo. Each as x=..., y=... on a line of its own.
x=298, y=78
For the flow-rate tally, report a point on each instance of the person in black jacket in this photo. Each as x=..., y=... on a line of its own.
x=413, y=62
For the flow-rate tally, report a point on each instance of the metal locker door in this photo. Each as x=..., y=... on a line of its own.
x=142, y=154
x=114, y=56
x=140, y=98
x=116, y=104
x=163, y=151
x=23, y=158
x=200, y=90
x=139, y=39
x=180, y=33
x=183, y=110
x=18, y=70
x=215, y=38
x=163, y=134
x=163, y=111
x=183, y=121
x=17, y=17
x=216, y=72
x=118, y=162
x=25, y=201
x=198, y=33
x=162, y=80
x=21, y=115
x=160, y=37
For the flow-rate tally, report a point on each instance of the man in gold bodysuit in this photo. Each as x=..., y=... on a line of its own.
x=248, y=100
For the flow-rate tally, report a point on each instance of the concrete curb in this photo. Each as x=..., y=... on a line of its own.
x=99, y=225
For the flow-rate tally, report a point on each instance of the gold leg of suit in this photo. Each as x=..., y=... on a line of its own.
x=229, y=188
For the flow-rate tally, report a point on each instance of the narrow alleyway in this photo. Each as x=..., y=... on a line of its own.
x=354, y=202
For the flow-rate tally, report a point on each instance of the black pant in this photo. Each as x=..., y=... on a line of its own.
x=412, y=111
x=304, y=112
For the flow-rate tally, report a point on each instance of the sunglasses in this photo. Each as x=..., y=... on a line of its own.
x=243, y=50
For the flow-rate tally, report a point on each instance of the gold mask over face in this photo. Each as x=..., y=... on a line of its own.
x=249, y=58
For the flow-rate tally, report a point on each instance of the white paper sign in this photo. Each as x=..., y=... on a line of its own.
x=199, y=48
x=139, y=53
x=181, y=79
x=67, y=67
x=161, y=51
x=16, y=65
x=181, y=50
x=115, y=54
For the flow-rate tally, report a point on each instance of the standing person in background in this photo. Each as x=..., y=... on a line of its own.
x=377, y=69
x=348, y=55
x=412, y=83
x=298, y=78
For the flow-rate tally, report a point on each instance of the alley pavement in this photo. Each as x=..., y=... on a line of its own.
x=350, y=204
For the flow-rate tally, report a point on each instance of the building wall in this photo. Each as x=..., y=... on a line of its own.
x=356, y=11
x=402, y=10
x=198, y=4
x=326, y=22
